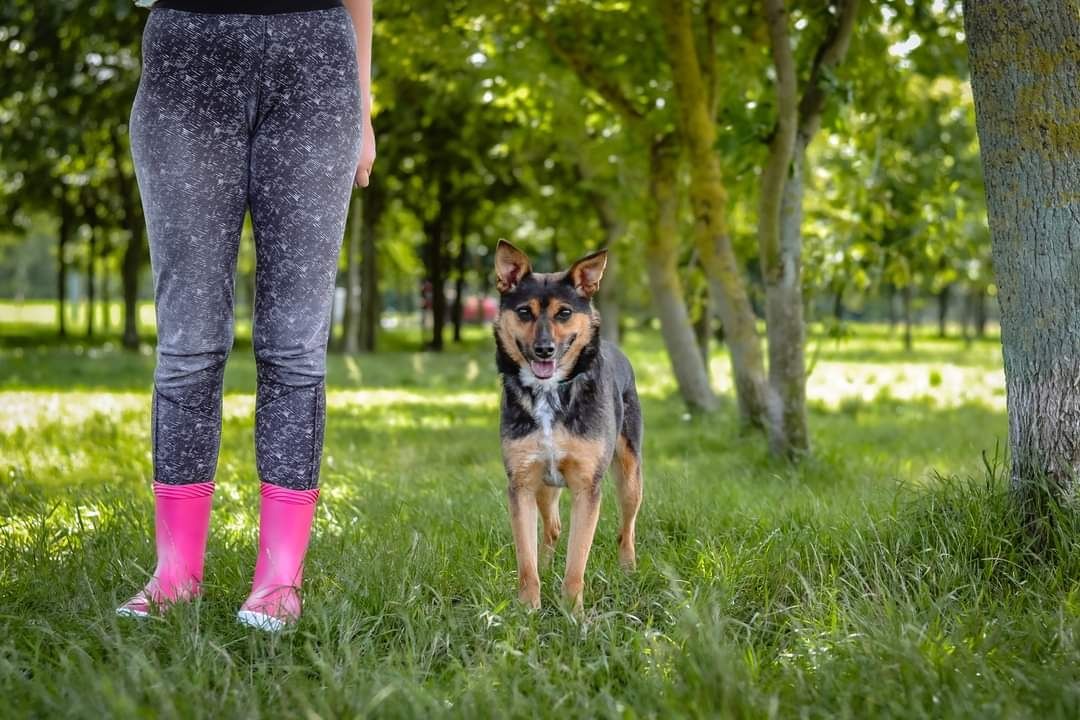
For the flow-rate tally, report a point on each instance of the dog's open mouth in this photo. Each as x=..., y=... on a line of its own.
x=542, y=369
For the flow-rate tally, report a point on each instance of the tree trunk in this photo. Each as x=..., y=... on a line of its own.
x=351, y=331
x=370, y=307
x=890, y=304
x=780, y=218
x=67, y=226
x=457, y=312
x=661, y=256
x=91, y=280
x=135, y=252
x=607, y=300
x=784, y=317
x=1025, y=63
x=838, y=303
x=703, y=330
x=106, y=316
x=943, y=310
x=437, y=234
x=708, y=199
x=980, y=313
x=905, y=300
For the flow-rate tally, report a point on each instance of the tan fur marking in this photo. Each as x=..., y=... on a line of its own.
x=510, y=329
x=583, y=460
x=581, y=324
x=628, y=487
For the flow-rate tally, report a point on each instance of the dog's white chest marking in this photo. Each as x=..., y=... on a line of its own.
x=544, y=409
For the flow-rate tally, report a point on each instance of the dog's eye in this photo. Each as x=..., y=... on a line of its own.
x=524, y=313
x=564, y=314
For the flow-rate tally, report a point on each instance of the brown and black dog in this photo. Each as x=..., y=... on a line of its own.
x=569, y=407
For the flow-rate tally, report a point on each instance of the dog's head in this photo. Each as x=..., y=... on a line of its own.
x=545, y=320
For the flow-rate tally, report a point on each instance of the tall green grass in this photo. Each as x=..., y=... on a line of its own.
x=888, y=576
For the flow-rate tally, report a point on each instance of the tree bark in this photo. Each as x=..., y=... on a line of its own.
x=353, y=310
x=91, y=280
x=67, y=227
x=905, y=301
x=370, y=302
x=436, y=233
x=708, y=199
x=661, y=255
x=607, y=300
x=780, y=217
x=457, y=312
x=135, y=253
x=943, y=310
x=1025, y=61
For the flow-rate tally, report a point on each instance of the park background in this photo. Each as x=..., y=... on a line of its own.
x=862, y=559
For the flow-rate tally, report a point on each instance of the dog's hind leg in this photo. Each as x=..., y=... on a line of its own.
x=627, y=473
x=547, y=502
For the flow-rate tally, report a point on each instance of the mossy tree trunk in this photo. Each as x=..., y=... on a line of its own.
x=661, y=256
x=708, y=199
x=780, y=215
x=1025, y=65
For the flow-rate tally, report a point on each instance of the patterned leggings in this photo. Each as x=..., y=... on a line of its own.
x=237, y=111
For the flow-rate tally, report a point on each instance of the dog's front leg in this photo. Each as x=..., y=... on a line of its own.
x=523, y=523
x=584, y=513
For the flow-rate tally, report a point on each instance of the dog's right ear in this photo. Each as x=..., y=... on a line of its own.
x=511, y=265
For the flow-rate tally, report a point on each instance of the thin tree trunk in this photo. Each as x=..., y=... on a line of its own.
x=943, y=310
x=91, y=280
x=437, y=237
x=351, y=331
x=838, y=303
x=890, y=304
x=67, y=226
x=661, y=255
x=607, y=300
x=136, y=251
x=708, y=199
x=784, y=317
x=703, y=329
x=370, y=307
x=780, y=218
x=980, y=313
x=1027, y=100
x=457, y=311
x=905, y=299
x=106, y=319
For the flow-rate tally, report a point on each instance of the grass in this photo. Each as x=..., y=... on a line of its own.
x=887, y=576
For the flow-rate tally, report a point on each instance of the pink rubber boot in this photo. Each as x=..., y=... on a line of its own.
x=181, y=523
x=284, y=530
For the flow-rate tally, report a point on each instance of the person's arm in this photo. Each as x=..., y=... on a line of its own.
x=363, y=22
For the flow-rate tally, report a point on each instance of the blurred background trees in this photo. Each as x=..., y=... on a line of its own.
x=812, y=163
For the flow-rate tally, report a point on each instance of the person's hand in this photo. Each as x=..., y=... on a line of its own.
x=367, y=156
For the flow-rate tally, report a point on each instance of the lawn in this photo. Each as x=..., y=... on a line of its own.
x=886, y=576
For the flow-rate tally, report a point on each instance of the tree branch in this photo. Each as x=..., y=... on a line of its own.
x=782, y=145
x=829, y=54
x=590, y=75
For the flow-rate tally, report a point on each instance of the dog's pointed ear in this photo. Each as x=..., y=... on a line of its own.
x=511, y=265
x=585, y=274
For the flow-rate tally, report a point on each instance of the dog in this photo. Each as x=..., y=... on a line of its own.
x=569, y=411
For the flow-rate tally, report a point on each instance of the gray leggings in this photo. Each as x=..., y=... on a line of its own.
x=238, y=111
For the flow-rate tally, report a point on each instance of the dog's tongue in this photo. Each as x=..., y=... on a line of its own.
x=543, y=369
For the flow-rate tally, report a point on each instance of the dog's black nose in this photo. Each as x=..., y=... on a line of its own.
x=544, y=350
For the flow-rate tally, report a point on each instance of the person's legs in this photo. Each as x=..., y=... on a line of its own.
x=303, y=159
x=189, y=142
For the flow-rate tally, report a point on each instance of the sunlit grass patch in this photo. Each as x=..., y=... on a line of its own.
x=856, y=584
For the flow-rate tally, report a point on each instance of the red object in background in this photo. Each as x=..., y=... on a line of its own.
x=477, y=309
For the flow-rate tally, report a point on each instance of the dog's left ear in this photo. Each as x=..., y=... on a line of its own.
x=585, y=274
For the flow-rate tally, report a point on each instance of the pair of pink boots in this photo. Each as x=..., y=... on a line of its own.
x=181, y=525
